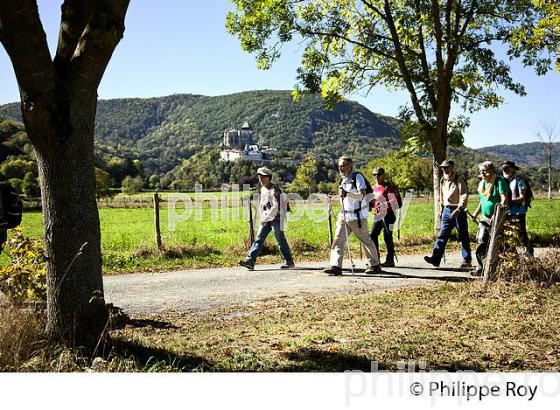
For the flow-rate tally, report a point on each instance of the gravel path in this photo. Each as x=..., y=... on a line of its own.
x=202, y=289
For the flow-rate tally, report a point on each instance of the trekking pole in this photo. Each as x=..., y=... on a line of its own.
x=330, y=221
x=347, y=236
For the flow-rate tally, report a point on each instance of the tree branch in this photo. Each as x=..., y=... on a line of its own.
x=376, y=10
x=97, y=43
x=24, y=39
x=75, y=14
x=407, y=78
x=424, y=60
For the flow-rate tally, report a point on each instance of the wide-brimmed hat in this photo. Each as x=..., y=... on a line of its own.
x=264, y=171
x=378, y=171
x=447, y=163
x=510, y=164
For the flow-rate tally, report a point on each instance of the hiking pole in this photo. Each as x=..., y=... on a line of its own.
x=330, y=220
x=347, y=236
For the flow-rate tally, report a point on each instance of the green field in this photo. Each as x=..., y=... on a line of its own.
x=128, y=239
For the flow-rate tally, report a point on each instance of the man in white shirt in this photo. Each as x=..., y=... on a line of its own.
x=272, y=209
x=353, y=217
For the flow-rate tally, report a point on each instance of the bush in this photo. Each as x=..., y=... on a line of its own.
x=24, y=280
x=544, y=269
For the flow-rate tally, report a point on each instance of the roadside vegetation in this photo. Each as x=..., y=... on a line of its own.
x=455, y=326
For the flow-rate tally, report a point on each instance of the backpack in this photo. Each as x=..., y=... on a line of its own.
x=11, y=207
x=529, y=196
x=369, y=189
x=398, y=194
x=278, y=194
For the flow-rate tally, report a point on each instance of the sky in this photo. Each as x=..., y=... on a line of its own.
x=181, y=46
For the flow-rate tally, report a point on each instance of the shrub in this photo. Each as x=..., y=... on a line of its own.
x=544, y=269
x=24, y=280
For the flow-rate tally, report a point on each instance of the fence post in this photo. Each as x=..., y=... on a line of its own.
x=251, y=227
x=493, y=251
x=156, y=217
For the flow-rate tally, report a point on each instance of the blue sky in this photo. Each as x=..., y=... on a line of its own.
x=174, y=46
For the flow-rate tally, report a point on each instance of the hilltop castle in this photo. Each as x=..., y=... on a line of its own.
x=239, y=138
x=239, y=144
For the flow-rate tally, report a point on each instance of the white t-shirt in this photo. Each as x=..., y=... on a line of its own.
x=268, y=205
x=350, y=205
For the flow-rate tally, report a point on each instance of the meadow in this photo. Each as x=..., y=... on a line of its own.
x=219, y=237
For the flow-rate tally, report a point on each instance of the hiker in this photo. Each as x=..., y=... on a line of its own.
x=492, y=190
x=387, y=200
x=453, y=196
x=519, y=202
x=353, y=217
x=272, y=210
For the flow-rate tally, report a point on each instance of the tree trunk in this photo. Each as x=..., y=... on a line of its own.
x=439, y=150
x=75, y=305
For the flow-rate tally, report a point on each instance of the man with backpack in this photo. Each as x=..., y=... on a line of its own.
x=387, y=200
x=453, y=196
x=354, y=190
x=273, y=206
x=519, y=201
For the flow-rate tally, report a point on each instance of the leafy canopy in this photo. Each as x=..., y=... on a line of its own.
x=441, y=52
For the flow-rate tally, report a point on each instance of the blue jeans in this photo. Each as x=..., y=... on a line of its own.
x=447, y=224
x=280, y=238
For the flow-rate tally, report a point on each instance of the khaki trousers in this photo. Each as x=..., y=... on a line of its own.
x=340, y=238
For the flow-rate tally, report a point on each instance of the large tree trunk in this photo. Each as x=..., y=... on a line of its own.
x=76, y=309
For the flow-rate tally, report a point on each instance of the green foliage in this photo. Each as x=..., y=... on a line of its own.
x=539, y=34
x=103, y=184
x=406, y=170
x=163, y=132
x=132, y=185
x=305, y=181
x=25, y=278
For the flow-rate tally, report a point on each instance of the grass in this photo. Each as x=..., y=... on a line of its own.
x=128, y=234
x=509, y=327
x=449, y=327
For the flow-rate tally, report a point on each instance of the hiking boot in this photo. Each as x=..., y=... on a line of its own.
x=288, y=265
x=333, y=271
x=388, y=264
x=477, y=272
x=372, y=270
x=431, y=261
x=466, y=264
x=247, y=264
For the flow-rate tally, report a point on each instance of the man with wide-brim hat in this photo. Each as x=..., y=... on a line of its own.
x=453, y=196
x=272, y=211
x=519, y=202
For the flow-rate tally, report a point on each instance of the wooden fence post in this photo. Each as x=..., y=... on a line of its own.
x=251, y=227
x=493, y=251
x=156, y=217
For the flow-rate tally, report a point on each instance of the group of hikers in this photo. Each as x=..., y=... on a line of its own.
x=505, y=189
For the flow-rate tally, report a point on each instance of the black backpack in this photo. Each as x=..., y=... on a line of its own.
x=529, y=196
x=369, y=189
x=11, y=207
x=278, y=194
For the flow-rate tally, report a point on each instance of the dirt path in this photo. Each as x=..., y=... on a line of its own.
x=202, y=289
